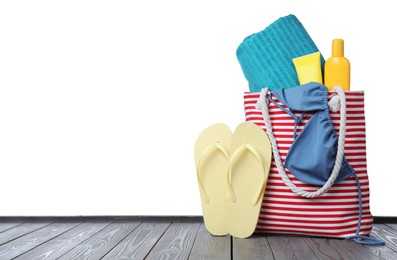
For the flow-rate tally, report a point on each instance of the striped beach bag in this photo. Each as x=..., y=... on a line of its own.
x=336, y=210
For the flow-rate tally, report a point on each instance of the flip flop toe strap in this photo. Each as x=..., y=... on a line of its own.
x=236, y=157
x=209, y=150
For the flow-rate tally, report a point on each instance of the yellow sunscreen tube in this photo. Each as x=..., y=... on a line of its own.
x=308, y=68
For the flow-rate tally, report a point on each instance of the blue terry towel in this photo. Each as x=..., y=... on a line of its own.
x=266, y=57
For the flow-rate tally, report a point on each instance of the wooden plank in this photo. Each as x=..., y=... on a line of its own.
x=387, y=234
x=345, y=249
x=63, y=243
x=22, y=244
x=7, y=225
x=254, y=247
x=109, y=219
x=102, y=242
x=139, y=242
x=176, y=243
x=285, y=247
x=19, y=231
x=393, y=226
x=207, y=246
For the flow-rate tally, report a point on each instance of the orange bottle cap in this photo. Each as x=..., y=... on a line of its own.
x=338, y=48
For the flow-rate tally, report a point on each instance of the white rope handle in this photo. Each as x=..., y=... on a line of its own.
x=262, y=105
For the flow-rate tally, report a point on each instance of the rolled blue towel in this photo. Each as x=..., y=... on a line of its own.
x=266, y=57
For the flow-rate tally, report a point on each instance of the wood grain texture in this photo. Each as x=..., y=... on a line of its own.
x=8, y=225
x=156, y=238
x=176, y=243
x=254, y=247
x=284, y=247
x=387, y=234
x=22, y=244
x=20, y=230
x=139, y=242
x=207, y=246
x=326, y=248
x=393, y=226
x=345, y=249
x=102, y=242
x=63, y=243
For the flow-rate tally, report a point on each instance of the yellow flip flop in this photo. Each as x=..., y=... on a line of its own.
x=211, y=154
x=248, y=170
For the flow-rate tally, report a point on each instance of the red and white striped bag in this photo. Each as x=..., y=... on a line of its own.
x=336, y=212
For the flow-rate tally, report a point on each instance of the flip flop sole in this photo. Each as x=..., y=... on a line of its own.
x=212, y=157
x=250, y=161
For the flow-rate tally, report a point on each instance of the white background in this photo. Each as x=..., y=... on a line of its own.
x=101, y=101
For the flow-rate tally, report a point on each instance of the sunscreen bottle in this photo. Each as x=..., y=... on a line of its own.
x=337, y=68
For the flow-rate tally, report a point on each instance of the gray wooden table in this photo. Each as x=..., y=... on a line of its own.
x=168, y=238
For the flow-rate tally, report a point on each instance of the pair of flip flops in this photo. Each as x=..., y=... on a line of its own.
x=232, y=172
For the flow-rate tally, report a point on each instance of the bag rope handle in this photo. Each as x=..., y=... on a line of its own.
x=262, y=105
